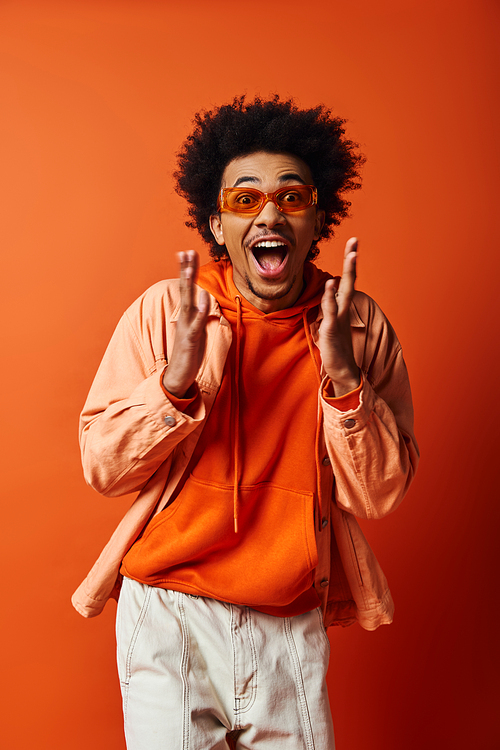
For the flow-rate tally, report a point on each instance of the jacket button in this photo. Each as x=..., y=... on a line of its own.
x=169, y=421
x=324, y=583
x=326, y=461
x=349, y=423
x=324, y=523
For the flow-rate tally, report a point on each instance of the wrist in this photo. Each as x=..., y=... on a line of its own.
x=174, y=387
x=346, y=382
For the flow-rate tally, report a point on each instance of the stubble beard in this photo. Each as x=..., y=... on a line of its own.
x=269, y=295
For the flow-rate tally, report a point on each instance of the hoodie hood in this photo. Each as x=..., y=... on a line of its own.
x=217, y=279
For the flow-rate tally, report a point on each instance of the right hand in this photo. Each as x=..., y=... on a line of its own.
x=190, y=334
x=335, y=340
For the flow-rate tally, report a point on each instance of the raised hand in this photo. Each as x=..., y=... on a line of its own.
x=335, y=342
x=190, y=335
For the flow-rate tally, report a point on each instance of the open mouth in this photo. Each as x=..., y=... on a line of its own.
x=270, y=255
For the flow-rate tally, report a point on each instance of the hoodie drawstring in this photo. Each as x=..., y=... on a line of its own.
x=310, y=344
x=237, y=415
x=236, y=430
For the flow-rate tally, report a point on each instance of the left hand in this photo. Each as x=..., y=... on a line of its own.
x=335, y=342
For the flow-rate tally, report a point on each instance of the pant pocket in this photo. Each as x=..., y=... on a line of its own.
x=324, y=630
x=131, y=613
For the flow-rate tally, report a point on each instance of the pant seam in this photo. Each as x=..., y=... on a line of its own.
x=236, y=700
x=299, y=684
x=135, y=635
x=253, y=652
x=130, y=652
x=323, y=629
x=184, y=672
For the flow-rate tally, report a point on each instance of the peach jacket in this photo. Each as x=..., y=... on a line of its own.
x=134, y=439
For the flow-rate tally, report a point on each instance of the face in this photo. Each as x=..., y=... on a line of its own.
x=268, y=249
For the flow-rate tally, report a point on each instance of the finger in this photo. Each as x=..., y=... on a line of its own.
x=181, y=257
x=199, y=323
x=188, y=264
x=346, y=286
x=329, y=302
x=351, y=246
x=193, y=262
x=350, y=257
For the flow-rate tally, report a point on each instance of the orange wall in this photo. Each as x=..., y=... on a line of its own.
x=99, y=96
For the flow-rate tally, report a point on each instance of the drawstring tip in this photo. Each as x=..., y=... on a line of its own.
x=235, y=525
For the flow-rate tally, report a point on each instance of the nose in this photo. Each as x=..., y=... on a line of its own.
x=270, y=215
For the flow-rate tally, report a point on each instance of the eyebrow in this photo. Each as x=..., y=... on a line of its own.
x=284, y=178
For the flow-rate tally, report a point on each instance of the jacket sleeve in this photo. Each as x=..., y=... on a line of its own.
x=372, y=448
x=128, y=426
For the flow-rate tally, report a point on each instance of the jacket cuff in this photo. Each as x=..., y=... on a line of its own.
x=342, y=403
x=353, y=418
x=181, y=404
x=163, y=411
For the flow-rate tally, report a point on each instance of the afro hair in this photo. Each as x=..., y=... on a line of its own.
x=242, y=128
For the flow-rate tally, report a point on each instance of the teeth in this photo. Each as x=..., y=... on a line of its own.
x=267, y=243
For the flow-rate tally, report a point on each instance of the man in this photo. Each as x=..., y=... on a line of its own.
x=258, y=405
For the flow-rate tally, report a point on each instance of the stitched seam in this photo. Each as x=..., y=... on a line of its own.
x=254, y=657
x=349, y=440
x=147, y=450
x=257, y=485
x=299, y=684
x=354, y=559
x=208, y=356
x=398, y=350
x=322, y=627
x=184, y=672
x=151, y=368
x=253, y=652
x=233, y=647
x=135, y=635
x=306, y=518
x=125, y=691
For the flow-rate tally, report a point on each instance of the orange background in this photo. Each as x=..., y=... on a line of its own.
x=97, y=98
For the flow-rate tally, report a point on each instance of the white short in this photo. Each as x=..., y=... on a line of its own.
x=193, y=670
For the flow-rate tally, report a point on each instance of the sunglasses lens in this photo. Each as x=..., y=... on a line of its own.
x=295, y=198
x=243, y=199
x=247, y=200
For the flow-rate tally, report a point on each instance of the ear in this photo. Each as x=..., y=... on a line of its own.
x=216, y=228
x=318, y=225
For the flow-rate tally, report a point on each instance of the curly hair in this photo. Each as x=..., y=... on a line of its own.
x=242, y=128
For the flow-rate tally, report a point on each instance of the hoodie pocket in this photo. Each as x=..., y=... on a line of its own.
x=194, y=546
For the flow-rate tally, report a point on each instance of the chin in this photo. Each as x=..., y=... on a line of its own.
x=270, y=291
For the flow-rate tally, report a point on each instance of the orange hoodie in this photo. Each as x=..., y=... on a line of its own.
x=247, y=505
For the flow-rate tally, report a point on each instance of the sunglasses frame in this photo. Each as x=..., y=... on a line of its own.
x=264, y=198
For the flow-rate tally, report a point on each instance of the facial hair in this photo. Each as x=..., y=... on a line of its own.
x=269, y=295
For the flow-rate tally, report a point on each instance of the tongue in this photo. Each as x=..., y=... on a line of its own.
x=269, y=258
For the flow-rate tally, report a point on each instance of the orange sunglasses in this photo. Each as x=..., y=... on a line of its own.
x=244, y=200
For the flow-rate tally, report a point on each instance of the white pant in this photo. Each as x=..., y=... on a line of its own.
x=193, y=669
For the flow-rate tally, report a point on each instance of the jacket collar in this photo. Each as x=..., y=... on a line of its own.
x=215, y=311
